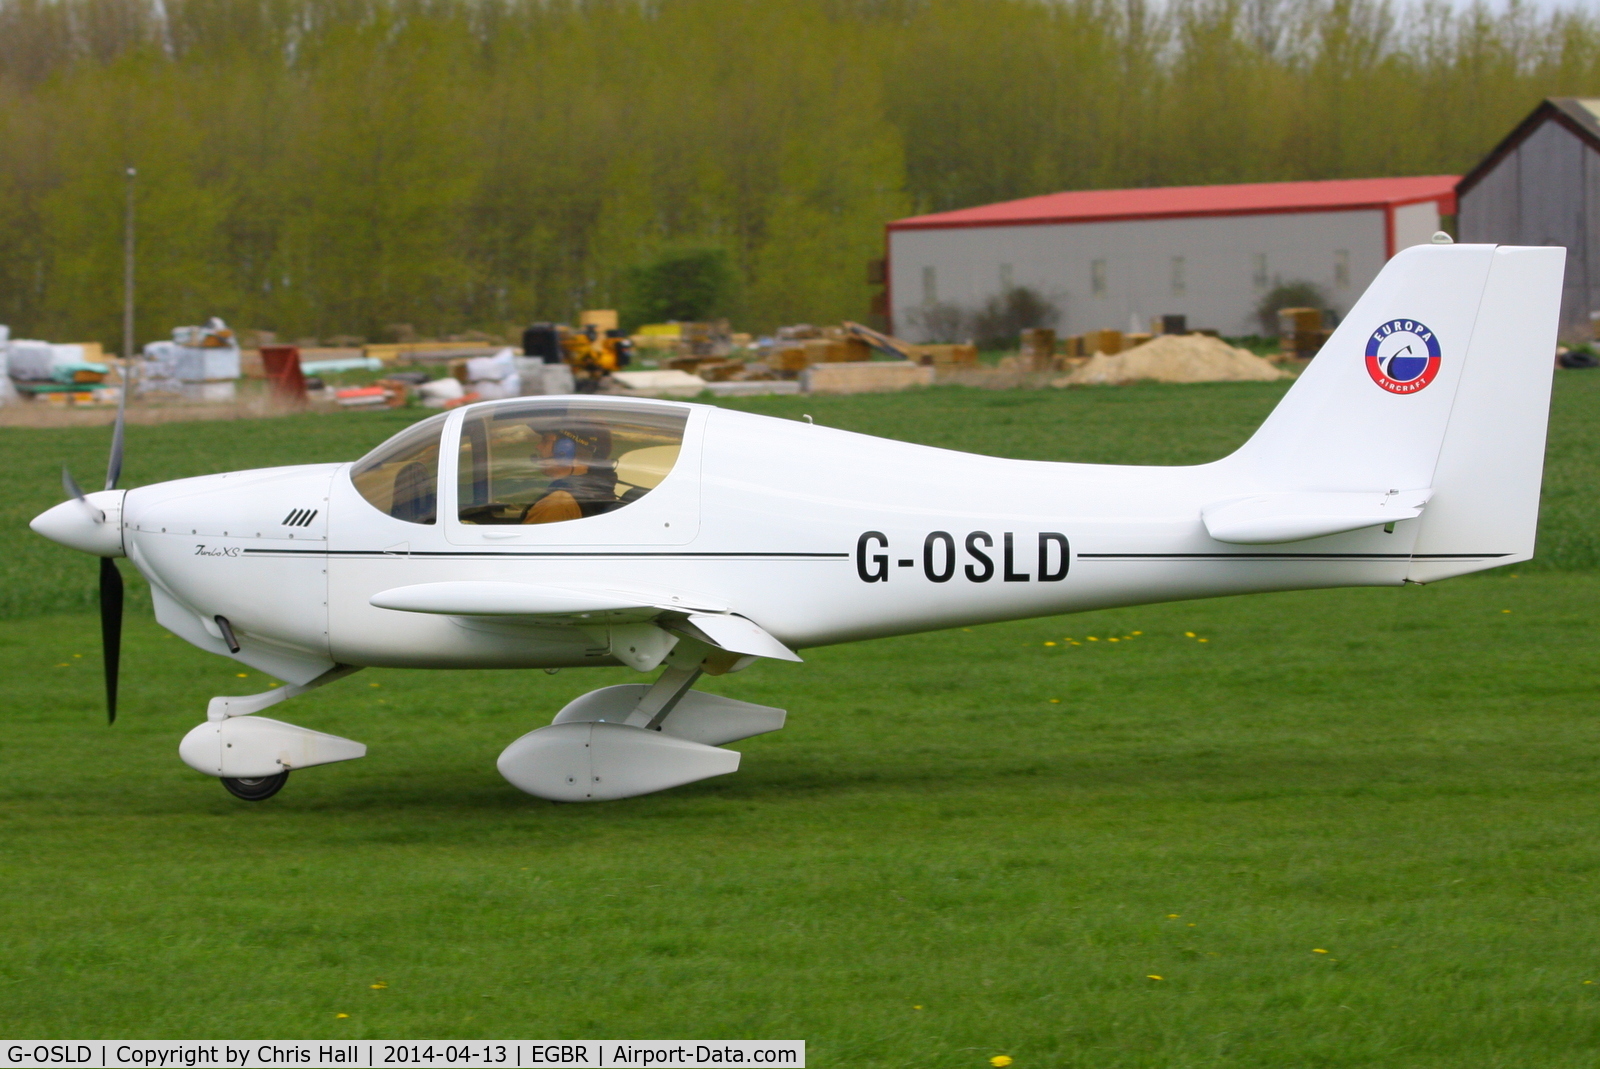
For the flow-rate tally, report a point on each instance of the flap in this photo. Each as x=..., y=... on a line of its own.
x=736, y=634
x=474, y=598
x=1267, y=519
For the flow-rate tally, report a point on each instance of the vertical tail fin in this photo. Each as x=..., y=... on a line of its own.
x=1439, y=378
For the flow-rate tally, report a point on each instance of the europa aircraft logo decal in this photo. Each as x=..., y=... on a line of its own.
x=1403, y=356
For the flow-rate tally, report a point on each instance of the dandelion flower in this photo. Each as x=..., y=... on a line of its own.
x=1113, y=638
x=1093, y=639
x=916, y=1007
x=63, y=665
x=1191, y=924
x=1173, y=916
x=1505, y=610
x=341, y=1015
x=77, y=655
x=1000, y=1061
x=1049, y=643
x=1188, y=634
x=1202, y=640
x=242, y=675
x=1318, y=950
x=1152, y=976
x=372, y=684
x=1055, y=701
x=1138, y=632
x=379, y=986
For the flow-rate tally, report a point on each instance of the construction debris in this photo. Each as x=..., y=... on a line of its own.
x=198, y=364
x=1175, y=358
x=947, y=356
x=1038, y=349
x=891, y=347
x=1300, y=332
x=869, y=376
x=668, y=383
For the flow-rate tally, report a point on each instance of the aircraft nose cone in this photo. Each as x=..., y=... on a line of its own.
x=76, y=526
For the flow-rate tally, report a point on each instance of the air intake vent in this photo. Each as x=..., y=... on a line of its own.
x=300, y=518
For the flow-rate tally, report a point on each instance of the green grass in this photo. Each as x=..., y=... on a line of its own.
x=1403, y=778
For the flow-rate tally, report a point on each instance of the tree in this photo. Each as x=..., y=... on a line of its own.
x=687, y=285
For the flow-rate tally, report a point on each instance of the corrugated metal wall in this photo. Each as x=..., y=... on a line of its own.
x=1215, y=270
x=1546, y=191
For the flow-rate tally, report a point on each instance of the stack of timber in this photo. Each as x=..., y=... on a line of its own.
x=869, y=376
x=1300, y=332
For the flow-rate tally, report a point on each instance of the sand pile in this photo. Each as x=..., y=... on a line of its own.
x=1175, y=358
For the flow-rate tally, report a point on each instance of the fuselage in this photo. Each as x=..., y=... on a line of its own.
x=819, y=535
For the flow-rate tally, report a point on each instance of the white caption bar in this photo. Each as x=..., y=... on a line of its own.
x=429, y=1054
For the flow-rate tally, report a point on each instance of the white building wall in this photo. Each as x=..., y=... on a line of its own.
x=1415, y=224
x=1100, y=275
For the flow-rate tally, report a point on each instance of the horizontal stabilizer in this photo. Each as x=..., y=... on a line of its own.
x=1268, y=519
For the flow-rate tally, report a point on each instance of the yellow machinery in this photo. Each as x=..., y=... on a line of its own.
x=593, y=350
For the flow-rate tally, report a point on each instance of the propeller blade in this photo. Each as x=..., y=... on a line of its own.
x=74, y=491
x=70, y=485
x=114, y=465
x=111, y=630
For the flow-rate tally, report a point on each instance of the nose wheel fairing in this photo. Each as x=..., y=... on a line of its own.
x=253, y=755
x=255, y=747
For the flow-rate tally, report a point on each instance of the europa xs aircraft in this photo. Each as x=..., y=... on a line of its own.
x=559, y=532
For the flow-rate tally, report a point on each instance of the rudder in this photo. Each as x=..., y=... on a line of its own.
x=1485, y=508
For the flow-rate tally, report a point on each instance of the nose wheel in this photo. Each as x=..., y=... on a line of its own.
x=257, y=789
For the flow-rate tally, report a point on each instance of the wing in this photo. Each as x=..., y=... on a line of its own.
x=584, y=606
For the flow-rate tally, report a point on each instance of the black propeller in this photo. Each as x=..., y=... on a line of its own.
x=111, y=630
x=110, y=577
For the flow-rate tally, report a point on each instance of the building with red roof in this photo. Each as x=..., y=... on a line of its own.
x=1115, y=258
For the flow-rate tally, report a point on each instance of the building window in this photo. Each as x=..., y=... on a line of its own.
x=930, y=287
x=1178, y=281
x=1341, y=268
x=1258, y=270
x=1007, y=281
x=1097, y=278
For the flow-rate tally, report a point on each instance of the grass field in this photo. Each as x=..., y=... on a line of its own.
x=1350, y=828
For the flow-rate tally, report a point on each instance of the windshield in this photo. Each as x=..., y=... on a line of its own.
x=549, y=461
x=401, y=476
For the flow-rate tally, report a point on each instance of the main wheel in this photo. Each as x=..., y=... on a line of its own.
x=256, y=790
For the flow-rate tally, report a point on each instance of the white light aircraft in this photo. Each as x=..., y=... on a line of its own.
x=560, y=532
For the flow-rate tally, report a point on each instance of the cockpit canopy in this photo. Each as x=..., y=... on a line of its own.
x=528, y=462
x=401, y=476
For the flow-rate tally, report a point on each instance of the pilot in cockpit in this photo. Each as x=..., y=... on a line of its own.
x=583, y=479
